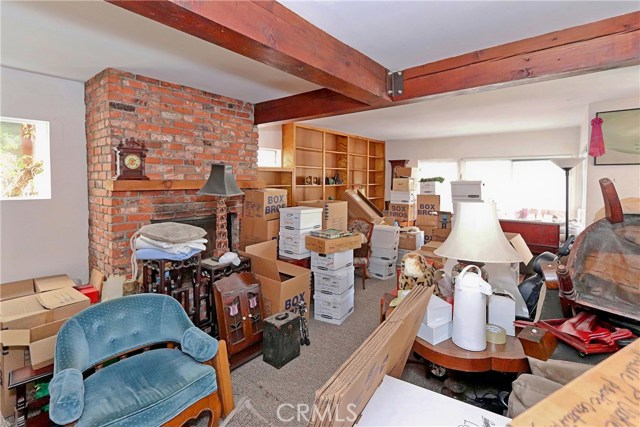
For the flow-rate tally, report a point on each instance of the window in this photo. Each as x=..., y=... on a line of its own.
x=522, y=189
x=24, y=156
x=269, y=157
x=448, y=169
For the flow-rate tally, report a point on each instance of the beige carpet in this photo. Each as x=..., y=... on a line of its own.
x=266, y=392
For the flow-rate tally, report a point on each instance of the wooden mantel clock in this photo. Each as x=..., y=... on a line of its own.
x=130, y=159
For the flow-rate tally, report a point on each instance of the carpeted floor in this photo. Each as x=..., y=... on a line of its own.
x=270, y=397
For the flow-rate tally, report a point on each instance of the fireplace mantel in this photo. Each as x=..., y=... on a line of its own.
x=169, y=184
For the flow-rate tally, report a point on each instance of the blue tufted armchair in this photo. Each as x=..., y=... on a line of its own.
x=167, y=371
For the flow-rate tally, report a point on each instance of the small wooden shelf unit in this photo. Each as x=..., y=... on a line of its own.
x=319, y=153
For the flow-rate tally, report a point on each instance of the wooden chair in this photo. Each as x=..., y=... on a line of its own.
x=138, y=360
x=361, y=255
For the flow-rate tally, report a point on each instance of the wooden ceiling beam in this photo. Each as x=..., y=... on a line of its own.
x=269, y=33
x=602, y=45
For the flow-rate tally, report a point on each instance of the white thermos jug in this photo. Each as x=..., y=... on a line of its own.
x=470, y=310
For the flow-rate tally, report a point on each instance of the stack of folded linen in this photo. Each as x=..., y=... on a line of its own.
x=168, y=240
x=147, y=248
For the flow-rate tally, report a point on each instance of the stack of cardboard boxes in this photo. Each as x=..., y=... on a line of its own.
x=435, y=224
x=333, y=278
x=384, y=251
x=31, y=313
x=261, y=215
x=410, y=241
x=295, y=224
x=404, y=192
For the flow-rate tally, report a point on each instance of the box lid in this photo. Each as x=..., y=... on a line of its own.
x=264, y=261
x=520, y=246
x=15, y=338
x=50, y=283
x=16, y=289
x=60, y=298
x=301, y=210
x=20, y=307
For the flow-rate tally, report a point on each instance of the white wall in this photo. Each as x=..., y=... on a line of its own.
x=625, y=177
x=44, y=237
x=553, y=142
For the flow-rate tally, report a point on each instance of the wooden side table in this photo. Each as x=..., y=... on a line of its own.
x=19, y=379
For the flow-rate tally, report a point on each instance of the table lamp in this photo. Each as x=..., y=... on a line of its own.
x=221, y=184
x=476, y=239
x=566, y=165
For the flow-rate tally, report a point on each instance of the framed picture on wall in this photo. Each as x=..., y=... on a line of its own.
x=621, y=133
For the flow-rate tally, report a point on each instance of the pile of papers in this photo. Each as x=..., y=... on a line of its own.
x=385, y=352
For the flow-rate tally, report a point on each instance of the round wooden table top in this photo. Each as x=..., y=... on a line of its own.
x=508, y=357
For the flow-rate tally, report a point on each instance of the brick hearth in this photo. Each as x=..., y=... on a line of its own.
x=185, y=130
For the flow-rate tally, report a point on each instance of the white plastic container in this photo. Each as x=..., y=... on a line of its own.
x=292, y=241
x=338, y=283
x=300, y=218
x=382, y=269
x=333, y=321
x=329, y=263
x=387, y=254
x=404, y=196
x=385, y=236
x=470, y=311
x=333, y=306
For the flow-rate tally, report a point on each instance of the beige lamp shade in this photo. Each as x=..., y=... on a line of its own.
x=477, y=237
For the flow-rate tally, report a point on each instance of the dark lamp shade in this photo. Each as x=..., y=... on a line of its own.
x=221, y=182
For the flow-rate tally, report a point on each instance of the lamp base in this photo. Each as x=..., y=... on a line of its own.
x=222, y=239
x=455, y=271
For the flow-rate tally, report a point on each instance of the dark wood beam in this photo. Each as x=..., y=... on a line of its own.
x=272, y=34
x=598, y=46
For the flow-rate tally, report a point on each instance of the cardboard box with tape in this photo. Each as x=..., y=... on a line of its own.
x=265, y=203
x=427, y=210
x=334, y=212
x=402, y=212
x=361, y=207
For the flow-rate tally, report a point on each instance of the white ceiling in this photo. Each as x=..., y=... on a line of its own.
x=76, y=40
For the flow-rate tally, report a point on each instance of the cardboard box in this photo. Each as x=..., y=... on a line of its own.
x=427, y=210
x=412, y=240
x=257, y=230
x=502, y=311
x=435, y=333
x=382, y=269
x=329, y=263
x=440, y=235
x=292, y=241
x=333, y=306
x=431, y=187
x=385, y=236
x=91, y=292
x=50, y=283
x=427, y=251
x=301, y=218
x=403, y=184
x=334, y=212
x=438, y=311
x=338, y=283
x=404, y=172
x=520, y=246
x=17, y=289
x=402, y=212
x=385, y=254
x=39, y=309
x=265, y=203
x=361, y=207
x=428, y=232
x=445, y=220
x=403, y=196
x=330, y=246
x=282, y=284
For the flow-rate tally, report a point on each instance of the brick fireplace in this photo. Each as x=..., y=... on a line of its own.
x=185, y=130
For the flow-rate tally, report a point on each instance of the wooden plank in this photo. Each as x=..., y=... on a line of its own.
x=166, y=185
x=606, y=395
x=597, y=46
x=223, y=377
x=270, y=33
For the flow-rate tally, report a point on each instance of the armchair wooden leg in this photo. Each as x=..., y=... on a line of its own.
x=223, y=377
x=364, y=276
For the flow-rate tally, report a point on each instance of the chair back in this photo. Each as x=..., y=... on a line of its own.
x=366, y=228
x=109, y=329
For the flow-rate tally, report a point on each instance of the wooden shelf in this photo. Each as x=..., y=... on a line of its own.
x=309, y=185
x=168, y=184
x=335, y=152
x=308, y=167
x=358, y=170
x=336, y=169
x=279, y=185
x=316, y=150
x=335, y=185
x=357, y=155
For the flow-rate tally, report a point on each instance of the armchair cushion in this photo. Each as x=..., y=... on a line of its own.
x=198, y=344
x=67, y=396
x=147, y=389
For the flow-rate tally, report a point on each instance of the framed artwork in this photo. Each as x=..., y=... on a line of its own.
x=621, y=133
